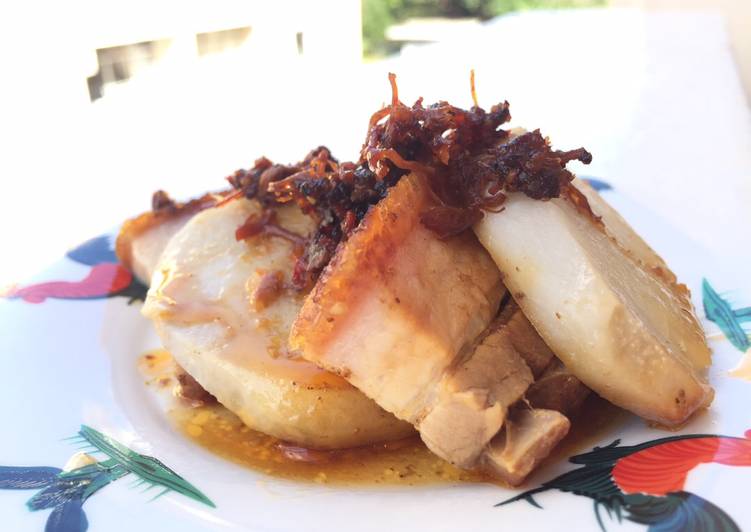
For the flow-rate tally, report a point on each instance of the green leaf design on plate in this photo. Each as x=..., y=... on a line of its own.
x=729, y=320
x=147, y=468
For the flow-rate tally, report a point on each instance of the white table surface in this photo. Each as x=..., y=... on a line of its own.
x=655, y=97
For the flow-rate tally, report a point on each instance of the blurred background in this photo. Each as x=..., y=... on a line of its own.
x=103, y=102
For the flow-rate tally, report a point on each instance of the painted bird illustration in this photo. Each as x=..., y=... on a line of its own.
x=65, y=490
x=645, y=483
x=730, y=321
x=107, y=278
x=598, y=184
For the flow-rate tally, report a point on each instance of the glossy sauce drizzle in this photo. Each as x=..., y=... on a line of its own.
x=402, y=463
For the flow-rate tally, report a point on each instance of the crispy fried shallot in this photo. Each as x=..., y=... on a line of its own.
x=471, y=164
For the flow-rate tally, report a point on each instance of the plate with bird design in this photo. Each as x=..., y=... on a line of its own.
x=92, y=438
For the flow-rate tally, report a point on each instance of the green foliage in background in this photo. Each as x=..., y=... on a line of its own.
x=378, y=15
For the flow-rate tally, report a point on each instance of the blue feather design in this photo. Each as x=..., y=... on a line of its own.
x=26, y=478
x=68, y=517
x=93, y=252
x=679, y=511
x=597, y=184
x=59, y=493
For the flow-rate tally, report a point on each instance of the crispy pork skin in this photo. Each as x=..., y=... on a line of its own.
x=625, y=330
x=204, y=304
x=398, y=313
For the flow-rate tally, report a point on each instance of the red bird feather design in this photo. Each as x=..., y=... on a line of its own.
x=645, y=483
x=102, y=280
x=107, y=278
x=663, y=469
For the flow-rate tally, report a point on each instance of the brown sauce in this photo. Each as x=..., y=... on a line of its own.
x=159, y=368
x=595, y=419
x=405, y=462
x=401, y=463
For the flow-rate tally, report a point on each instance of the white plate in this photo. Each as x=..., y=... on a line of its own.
x=72, y=362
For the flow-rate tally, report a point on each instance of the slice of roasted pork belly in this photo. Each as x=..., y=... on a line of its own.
x=408, y=318
x=555, y=387
x=472, y=398
x=603, y=301
x=528, y=437
x=398, y=313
